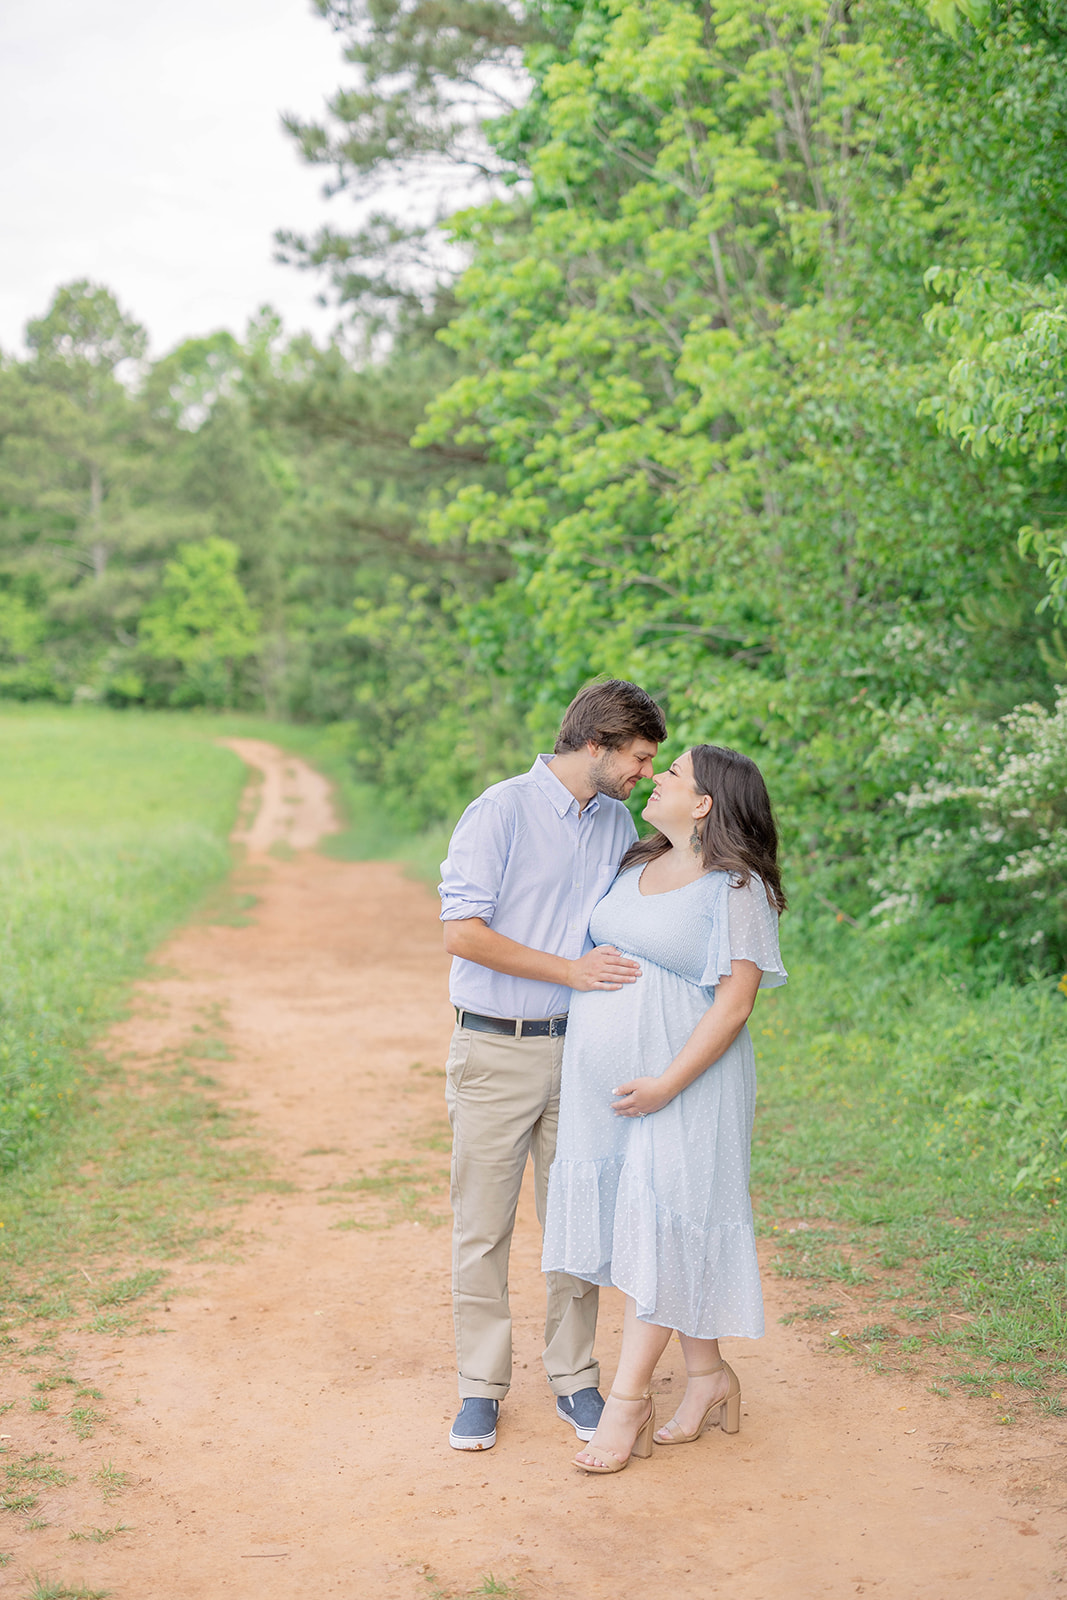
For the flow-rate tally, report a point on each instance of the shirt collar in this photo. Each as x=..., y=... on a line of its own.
x=558, y=795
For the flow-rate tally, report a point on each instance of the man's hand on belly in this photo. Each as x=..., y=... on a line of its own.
x=602, y=968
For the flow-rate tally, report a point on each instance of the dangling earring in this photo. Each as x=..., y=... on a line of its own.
x=696, y=838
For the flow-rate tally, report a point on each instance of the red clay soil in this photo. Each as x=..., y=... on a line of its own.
x=288, y=1438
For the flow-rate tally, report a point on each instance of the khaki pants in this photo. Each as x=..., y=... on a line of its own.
x=503, y=1104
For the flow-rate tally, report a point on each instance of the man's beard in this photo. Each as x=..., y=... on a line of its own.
x=603, y=774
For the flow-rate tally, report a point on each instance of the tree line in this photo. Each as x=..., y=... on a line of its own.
x=751, y=388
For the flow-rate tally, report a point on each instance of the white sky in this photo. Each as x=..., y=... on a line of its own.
x=143, y=149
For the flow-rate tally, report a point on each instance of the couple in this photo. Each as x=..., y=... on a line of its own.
x=657, y=948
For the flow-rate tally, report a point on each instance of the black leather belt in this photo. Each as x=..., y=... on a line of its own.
x=514, y=1027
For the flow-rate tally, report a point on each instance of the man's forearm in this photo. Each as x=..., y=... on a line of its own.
x=472, y=940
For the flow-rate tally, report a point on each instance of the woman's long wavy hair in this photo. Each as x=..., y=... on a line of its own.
x=738, y=834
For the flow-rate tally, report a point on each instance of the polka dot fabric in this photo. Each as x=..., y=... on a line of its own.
x=659, y=1206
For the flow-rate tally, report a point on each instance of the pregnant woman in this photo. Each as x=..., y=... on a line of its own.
x=649, y=1188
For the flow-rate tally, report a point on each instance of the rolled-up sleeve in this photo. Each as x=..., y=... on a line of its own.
x=473, y=871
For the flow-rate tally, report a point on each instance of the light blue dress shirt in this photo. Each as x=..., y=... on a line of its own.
x=532, y=865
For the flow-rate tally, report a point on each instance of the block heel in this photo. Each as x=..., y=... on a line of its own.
x=642, y=1444
x=729, y=1409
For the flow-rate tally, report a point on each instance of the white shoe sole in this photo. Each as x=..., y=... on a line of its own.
x=484, y=1441
x=585, y=1434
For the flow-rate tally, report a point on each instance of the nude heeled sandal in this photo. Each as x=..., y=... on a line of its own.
x=642, y=1444
x=729, y=1408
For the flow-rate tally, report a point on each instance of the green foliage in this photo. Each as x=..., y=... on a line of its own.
x=1009, y=343
x=77, y=478
x=426, y=723
x=25, y=672
x=990, y=851
x=109, y=470
x=200, y=619
x=411, y=60
x=1006, y=390
x=751, y=390
x=352, y=531
x=427, y=75
x=698, y=357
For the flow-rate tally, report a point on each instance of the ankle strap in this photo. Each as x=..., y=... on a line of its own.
x=708, y=1372
x=614, y=1395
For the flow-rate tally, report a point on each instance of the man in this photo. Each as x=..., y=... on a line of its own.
x=527, y=863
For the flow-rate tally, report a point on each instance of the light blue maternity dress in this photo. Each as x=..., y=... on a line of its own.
x=659, y=1205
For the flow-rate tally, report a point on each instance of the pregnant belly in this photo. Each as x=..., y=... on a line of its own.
x=635, y=1030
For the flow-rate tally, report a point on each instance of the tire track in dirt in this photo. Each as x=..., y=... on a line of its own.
x=288, y=1436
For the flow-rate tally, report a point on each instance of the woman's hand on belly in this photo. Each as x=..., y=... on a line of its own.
x=713, y=1034
x=640, y=1097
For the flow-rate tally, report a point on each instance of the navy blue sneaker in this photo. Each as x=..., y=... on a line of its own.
x=475, y=1426
x=582, y=1410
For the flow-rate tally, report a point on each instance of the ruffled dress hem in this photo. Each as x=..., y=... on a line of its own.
x=678, y=1274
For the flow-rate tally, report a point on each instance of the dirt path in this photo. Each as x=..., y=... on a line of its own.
x=287, y=1439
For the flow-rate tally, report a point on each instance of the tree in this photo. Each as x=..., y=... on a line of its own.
x=201, y=622
x=83, y=431
x=694, y=352
x=432, y=76
x=86, y=509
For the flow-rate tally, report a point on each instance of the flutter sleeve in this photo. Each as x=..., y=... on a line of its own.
x=753, y=931
x=741, y=925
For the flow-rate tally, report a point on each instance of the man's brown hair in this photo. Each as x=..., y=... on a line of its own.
x=611, y=714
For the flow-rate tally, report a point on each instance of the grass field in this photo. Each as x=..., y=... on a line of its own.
x=909, y=1161
x=111, y=828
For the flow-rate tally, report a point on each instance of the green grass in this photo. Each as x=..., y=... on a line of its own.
x=84, y=1421
x=110, y=1481
x=17, y=1502
x=488, y=1586
x=36, y=1468
x=910, y=1152
x=112, y=827
x=42, y=1588
x=404, y=1192
x=131, y=1175
x=132, y=1288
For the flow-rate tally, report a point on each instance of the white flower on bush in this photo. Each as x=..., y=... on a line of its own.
x=895, y=909
x=922, y=649
x=1035, y=863
x=1017, y=785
